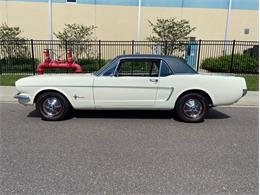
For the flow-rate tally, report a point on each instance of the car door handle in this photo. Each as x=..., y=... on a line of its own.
x=154, y=80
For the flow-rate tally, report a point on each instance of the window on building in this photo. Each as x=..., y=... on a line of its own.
x=71, y=1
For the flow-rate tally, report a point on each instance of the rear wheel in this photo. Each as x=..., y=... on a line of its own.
x=192, y=107
x=52, y=106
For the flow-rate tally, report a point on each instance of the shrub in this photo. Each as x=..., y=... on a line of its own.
x=91, y=65
x=242, y=63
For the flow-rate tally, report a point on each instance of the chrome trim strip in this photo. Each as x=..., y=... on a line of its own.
x=160, y=69
x=132, y=87
x=57, y=86
x=170, y=95
x=104, y=86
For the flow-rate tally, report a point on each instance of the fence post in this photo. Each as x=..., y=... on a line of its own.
x=198, y=60
x=99, y=53
x=1, y=45
x=165, y=47
x=33, y=61
x=232, y=56
x=133, y=44
x=66, y=48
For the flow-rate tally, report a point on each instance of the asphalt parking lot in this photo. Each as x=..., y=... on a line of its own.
x=136, y=152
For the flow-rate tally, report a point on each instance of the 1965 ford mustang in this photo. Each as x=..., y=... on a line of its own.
x=146, y=82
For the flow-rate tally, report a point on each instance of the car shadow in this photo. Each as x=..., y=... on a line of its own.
x=215, y=114
x=132, y=114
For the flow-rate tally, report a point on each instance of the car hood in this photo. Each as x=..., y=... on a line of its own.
x=55, y=80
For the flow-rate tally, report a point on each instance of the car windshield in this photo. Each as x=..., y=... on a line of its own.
x=98, y=72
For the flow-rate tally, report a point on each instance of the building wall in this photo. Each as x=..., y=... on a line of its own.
x=118, y=21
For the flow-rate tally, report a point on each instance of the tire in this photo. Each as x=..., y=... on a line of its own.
x=192, y=107
x=52, y=106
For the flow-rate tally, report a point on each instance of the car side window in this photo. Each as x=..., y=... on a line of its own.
x=139, y=68
x=165, y=70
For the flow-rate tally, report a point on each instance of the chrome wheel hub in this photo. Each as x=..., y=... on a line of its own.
x=51, y=107
x=192, y=108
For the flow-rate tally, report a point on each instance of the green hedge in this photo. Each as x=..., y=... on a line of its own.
x=91, y=65
x=17, y=65
x=242, y=63
x=24, y=65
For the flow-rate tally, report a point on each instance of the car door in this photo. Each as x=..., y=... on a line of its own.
x=133, y=84
x=166, y=86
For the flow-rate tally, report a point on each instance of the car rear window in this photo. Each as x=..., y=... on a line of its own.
x=180, y=66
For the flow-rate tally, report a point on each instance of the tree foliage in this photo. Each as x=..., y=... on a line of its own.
x=73, y=35
x=13, y=44
x=76, y=32
x=10, y=33
x=173, y=31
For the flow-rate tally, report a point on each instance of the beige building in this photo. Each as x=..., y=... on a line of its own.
x=117, y=19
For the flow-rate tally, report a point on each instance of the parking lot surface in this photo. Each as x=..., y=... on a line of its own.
x=131, y=152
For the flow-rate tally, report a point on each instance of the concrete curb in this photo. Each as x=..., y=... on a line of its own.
x=250, y=100
x=7, y=94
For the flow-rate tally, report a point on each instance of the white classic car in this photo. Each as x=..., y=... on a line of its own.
x=144, y=82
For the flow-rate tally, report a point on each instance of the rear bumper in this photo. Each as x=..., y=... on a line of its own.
x=22, y=98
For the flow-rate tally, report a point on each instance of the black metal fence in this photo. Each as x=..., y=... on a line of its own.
x=22, y=57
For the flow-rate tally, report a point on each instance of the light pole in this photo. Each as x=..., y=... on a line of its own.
x=139, y=20
x=50, y=19
x=227, y=25
x=138, y=25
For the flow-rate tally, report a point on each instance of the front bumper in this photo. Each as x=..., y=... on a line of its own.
x=22, y=98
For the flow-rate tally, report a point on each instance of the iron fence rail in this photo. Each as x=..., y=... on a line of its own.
x=22, y=56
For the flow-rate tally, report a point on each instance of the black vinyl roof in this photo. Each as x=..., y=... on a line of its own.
x=178, y=65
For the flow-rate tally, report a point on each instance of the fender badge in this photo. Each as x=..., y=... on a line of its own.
x=77, y=97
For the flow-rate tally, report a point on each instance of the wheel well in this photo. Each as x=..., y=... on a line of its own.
x=49, y=90
x=201, y=92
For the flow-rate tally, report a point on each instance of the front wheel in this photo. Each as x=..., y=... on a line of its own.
x=192, y=107
x=52, y=106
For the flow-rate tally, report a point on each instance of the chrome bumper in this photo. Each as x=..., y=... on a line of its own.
x=22, y=98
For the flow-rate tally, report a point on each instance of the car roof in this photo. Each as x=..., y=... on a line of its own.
x=147, y=56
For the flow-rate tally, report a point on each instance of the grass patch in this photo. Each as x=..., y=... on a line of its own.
x=9, y=80
x=252, y=82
